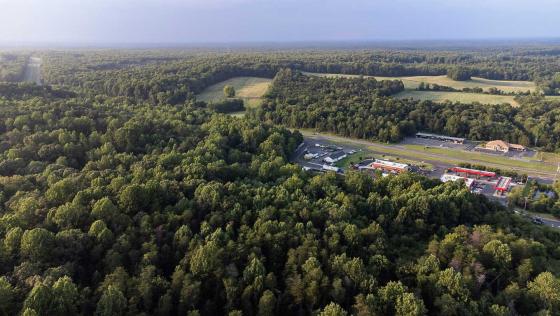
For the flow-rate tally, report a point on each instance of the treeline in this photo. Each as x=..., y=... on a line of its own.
x=175, y=76
x=12, y=66
x=342, y=107
x=536, y=197
x=171, y=82
x=459, y=73
x=227, y=106
x=424, y=86
x=20, y=91
x=551, y=86
x=109, y=208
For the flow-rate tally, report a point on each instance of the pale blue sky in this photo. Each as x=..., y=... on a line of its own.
x=184, y=21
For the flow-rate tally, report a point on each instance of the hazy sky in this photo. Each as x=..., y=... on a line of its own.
x=183, y=21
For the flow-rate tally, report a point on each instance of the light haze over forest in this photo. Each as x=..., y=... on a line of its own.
x=198, y=21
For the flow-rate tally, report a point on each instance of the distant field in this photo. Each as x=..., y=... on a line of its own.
x=413, y=82
x=250, y=89
x=463, y=97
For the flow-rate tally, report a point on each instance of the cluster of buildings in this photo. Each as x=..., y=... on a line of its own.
x=495, y=145
x=476, y=180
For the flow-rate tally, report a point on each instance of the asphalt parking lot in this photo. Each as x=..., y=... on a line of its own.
x=320, y=149
x=468, y=146
x=437, y=143
x=512, y=154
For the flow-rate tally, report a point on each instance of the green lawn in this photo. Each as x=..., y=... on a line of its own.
x=351, y=159
x=548, y=157
x=367, y=153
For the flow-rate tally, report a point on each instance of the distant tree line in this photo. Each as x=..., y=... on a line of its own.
x=344, y=107
x=175, y=76
x=12, y=66
x=424, y=86
x=459, y=73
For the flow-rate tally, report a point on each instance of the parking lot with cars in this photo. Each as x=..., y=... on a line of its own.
x=321, y=155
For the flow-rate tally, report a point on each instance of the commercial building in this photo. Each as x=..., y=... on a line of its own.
x=503, y=184
x=310, y=156
x=331, y=168
x=500, y=145
x=451, y=177
x=456, y=140
x=473, y=172
x=335, y=156
x=387, y=166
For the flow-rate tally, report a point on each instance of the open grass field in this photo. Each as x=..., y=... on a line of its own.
x=440, y=96
x=548, y=157
x=413, y=82
x=250, y=89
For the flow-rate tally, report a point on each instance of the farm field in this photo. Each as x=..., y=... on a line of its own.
x=250, y=89
x=412, y=82
x=441, y=96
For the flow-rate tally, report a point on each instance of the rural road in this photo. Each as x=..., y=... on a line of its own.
x=32, y=71
x=550, y=223
x=414, y=154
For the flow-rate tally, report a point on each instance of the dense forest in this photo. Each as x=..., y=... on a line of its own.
x=12, y=66
x=351, y=107
x=115, y=209
x=120, y=194
x=173, y=76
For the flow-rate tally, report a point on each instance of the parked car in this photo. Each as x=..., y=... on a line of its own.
x=538, y=221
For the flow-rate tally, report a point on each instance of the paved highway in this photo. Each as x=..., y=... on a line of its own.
x=32, y=71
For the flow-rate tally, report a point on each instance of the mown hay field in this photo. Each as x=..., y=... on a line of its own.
x=250, y=89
